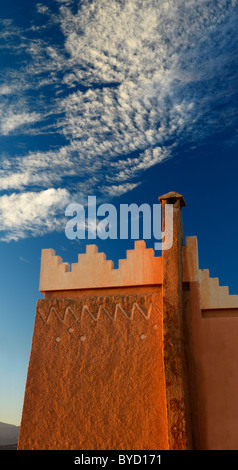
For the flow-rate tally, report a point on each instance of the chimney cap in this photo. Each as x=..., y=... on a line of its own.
x=172, y=195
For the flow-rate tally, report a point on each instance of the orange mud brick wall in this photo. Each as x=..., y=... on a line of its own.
x=107, y=367
x=136, y=358
x=213, y=317
x=96, y=375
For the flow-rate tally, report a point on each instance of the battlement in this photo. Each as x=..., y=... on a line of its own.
x=140, y=268
x=93, y=270
x=212, y=296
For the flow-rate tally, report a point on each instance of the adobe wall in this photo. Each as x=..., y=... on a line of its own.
x=212, y=315
x=96, y=380
x=96, y=373
x=140, y=357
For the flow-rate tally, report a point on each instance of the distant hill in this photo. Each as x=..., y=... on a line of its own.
x=8, y=434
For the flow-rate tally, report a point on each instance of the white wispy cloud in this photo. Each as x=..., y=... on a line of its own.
x=119, y=189
x=12, y=121
x=128, y=168
x=31, y=213
x=42, y=8
x=24, y=260
x=128, y=83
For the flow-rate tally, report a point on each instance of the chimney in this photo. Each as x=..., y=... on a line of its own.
x=178, y=415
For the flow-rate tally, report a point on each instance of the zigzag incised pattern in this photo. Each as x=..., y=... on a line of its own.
x=100, y=309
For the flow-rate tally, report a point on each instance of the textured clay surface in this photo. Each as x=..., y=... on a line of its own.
x=96, y=375
x=177, y=394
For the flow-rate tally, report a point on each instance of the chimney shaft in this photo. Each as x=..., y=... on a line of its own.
x=179, y=428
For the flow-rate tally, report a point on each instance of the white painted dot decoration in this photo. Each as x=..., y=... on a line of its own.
x=82, y=338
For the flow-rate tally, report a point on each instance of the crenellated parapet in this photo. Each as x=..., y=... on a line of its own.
x=212, y=296
x=93, y=270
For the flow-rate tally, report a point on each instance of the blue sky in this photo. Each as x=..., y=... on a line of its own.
x=125, y=100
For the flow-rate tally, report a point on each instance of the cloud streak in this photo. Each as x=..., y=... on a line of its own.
x=127, y=83
x=31, y=213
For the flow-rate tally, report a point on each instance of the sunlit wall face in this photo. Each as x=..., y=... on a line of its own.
x=122, y=100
